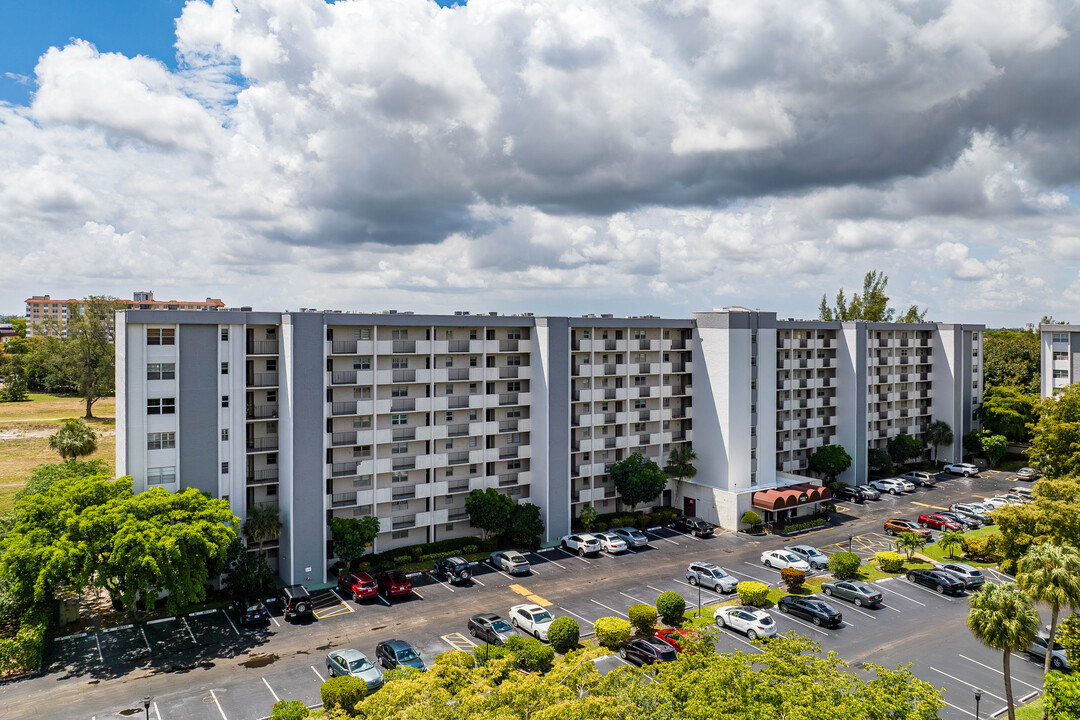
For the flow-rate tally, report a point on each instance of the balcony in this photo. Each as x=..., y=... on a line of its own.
x=401, y=434
x=506, y=426
x=401, y=375
x=457, y=487
x=403, y=463
x=457, y=514
x=262, y=412
x=508, y=345
x=342, y=408
x=403, y=346
x=402, y=522
x=510, y=371
x=339, y=500
x=343, y=377
x=453, y=374
x=339, y=439
x=508, y=398
x=458, y=458
x=343, y=469
x=507, y=453
x=456, y=402
x=262, y=347
x=458, y=346
x=403, y=493
x=343, y=347
x=264, y=379
x=508, y=479
x=399, y=405
x=262, y=477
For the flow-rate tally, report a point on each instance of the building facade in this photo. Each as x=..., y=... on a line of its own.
x=400, y=416
x=40, y=308
x=1059, y=357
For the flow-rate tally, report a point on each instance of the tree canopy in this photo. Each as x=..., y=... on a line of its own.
x=526, y=525
x=1053, y=516
x=904, y=447
x=353, y=536
x=1011, y=359
x=1055, y=436
x=74, y=439
x=1003, y=618
x=829, y=460
x=638, y=480
x=938, y=433
x=489, y=510
x=871, y=305
x=1008, y=411
x=680, y=464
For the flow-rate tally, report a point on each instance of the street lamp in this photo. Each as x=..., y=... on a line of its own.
x=849, y=543
x=146, y=705
x=978, y=697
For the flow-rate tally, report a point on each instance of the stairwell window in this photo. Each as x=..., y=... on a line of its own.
x=160, y=336
x=161, y=406
x=161, y=475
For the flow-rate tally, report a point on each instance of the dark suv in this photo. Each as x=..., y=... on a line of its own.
x=454, y=569
x=295, y=601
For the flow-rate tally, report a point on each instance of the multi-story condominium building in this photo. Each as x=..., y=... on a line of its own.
x=42, y=307
x=1060, y=357
x=400, y=416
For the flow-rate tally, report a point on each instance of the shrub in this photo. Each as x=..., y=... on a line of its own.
x=531, y=654
x=844, y=565
x=750, y=518
x=671, y=607
x=610, y=631
x=289, y=710
x=23, y=652
x=983, y=549
x=793, y=578
x=643, y=618
x=1062, y=695
x=564, y=634
x=416, y=551
x=402, y=559
x=600, y=527
x=467, y=550
x=890, y=562
x=343, y=692
x=643, y=522
x=753, y=593
x=796, y=527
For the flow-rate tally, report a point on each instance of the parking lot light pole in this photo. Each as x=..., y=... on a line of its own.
x=698, y=598
x=849, y=543
x=978, y=697
x=146, y=705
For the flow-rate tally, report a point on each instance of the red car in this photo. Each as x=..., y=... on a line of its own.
x=937, y=522
x=358, y=586
x=393, y=583
x=676, y=637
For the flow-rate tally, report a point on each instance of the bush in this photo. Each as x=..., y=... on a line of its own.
x=416, y=551
x=750, y=518
x=402, y=559
x=890, y=562
x=671, y=607
x=844, y=565
x=343, y=692
x=600, y=527
x=289, y=710
x=1062, y=695
x=23, y=652
x=643, y=618
x=793, y=578
x=983, y=549
x=796, y=527
x=468, y=550
x=644, y=522
x=610, y=631
x=753, y=593
x=564, y=634
x=531, y=654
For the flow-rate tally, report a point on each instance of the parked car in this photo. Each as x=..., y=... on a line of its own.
x=583, y=544
x=1058, y=658
x=633, y=537
x=972, y=576
x=852, y=590
x=936, y=521
x=969, y=522
x=850, y=492
x=646, y=651
x=251, y=612
x=491, y=628
x=393, y=583
x=1017, y=498
x=781, y=559
x=995, y=502
x=509, y=561
x=612, y=543
x=353, y=663
x=870, y=492
x=710, y=576
x=919, y=478
x=398, y=653
x=893, y=486
x=965, y=469
x=1024, y=492
x=895, y=526
x=814, y=557
x=1028, y=474
x=531, y=619
x=455, y=569
x=295, y=601
x=816, y=611
x=677, y=637
x=974, y=511
x=939, y=580
x=751, y=621
x=358, y=586
x=694, y=525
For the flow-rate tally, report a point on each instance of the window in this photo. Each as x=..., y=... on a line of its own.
x=399, y=476
x=359, y=423
x=473, y=442
x=1061, y=373
x=1059, y=337
x=224, y=334
x=399, y=363
x=584, y=334
x=399, y=534
x=361, y=451
x=271, y=333
x=472, y=414
x=473, y=388
x=448, y=390
x=399, y=419
x=161, y=475
x=449, y=417
x=513, y=438
x=513, y=334
x=271, y=458
x=224, y=434
x=224, y=401
x=225, y=468
x=639, y=404
x=399, y=448
x=448, y=444
x=753, y=337
x=361, y=333
x=400, y=505
x=639, y=427
x=1059, y=355
x=160, y=441
x=511, y=413
x=448, y=361
x=224, y=368
x=474, y=361
x=399, y=391
x=161, y=406
x=515, y=464
x=160, y=336
x=513, y=360
x=271, y=366
x=399, y=334
x=472, y=334
x=639, y=334
x=364, y=393
x=271, y=396
x=449, y=334
x=361, y=363
x=513, y=386
x=161, y=371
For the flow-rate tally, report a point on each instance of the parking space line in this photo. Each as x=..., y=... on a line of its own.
x=935, y=594
x=580, y=617
x=188, y=628
x=317, y=674
x=827, y=598
x=804, y=624
x=349, y=607
x=752, y=577
x=633, y=598
x=145, y=640
x=226, y=614
x=997, y=670
x=157, y=713
x=276, y=698
x=576, y=557
x=269, y=613
x=438, y=581
x=660, y=538
x=218, y=705
x=900, y=594
x=763, y=566
x=98, y=641
x=416, y=594
x=475, y=580
x=965, y=682
x=384, y=600
x=707, y=592
x=954, y=707
x=547, y=559
x=609, y=608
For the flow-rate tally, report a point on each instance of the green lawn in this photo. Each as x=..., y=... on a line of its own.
x=870, y=572
x=51, y=407
x=1031, y=711
x=938, y=553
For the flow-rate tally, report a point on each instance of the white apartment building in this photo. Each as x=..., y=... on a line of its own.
x=400, y=416
x=1059, y=358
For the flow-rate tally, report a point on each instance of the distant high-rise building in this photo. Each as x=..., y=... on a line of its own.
x=42, y=307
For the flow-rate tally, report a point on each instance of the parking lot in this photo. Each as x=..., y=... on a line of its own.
x=205, y=665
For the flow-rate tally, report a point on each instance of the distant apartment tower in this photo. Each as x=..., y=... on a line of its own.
x=400, y=416
x=42, y=307
x=1059, y=357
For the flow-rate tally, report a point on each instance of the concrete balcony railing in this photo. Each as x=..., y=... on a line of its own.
x=262, y=347
x=262, y=412
x=263, y=379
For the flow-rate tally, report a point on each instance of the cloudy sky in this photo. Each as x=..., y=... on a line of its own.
x=625, y=156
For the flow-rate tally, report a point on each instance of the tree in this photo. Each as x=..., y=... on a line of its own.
x=950, y=541
x=878, y=460
x=680, y=465
x=1053, y=516
x=829, y=460
x=289, y=710
x=526, y=525
x=13, y=380
x=872, y=305
x=1003, y=618
x=750, y=518
x=938, y=433
x=587, y=517
x=343, y=692
x=903, y=447
x=910, y=543
x=1068, y=634
x=1008, y=411
x=73, y=440
x=1055, y=437
x=972, y=442
x=43, y=476
x=489, y=510
x=263, y=523
x=994, y=447
x=352, y=537
x=248, y=574
x=1011, y=359
x=1051, y=574
x=638, y=480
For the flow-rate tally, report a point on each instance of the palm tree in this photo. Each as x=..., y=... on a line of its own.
x=262, y=524
x=74, y=439
x=938, y=433
x=909, y=542
x=1051, y=574
x=1003, y=618
x=950, y=540
x=681, y=463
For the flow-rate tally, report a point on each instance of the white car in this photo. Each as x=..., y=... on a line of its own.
x=582, y=544
x=752, y=621
x=965, y=469
x=633, y=537
x=996, y=502
x=893, y=486
x=531, y=619
x=780, y=559
x=810, y=554
x=509, y=561
x=611, y=543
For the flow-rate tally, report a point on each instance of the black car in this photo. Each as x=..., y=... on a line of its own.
x=968, y=521
x=295, y=601
x=491, y=628
x=454, y=569
x=251, y=612
x=398, y=653
x=646, y=651
x=694, y=525
x=818, y=612
x=939, y=580
x=850, y=492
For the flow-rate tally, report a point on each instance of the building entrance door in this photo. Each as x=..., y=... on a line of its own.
x=689, y=507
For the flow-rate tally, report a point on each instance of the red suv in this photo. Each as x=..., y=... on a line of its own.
x=393, y=583
x=360, y=586
x=937, y=522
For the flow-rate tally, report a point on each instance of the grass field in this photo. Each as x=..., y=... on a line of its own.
x=938, y=554
x=52, y=407
x=1031, y=711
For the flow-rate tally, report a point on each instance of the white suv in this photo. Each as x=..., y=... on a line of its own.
x=893, y=486
x=611, y=543
x=582, y=544
x=965, y=469
x=750, y=620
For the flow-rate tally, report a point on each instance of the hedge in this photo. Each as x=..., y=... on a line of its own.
x=793, y=578
x=610, y=631
x=671, y=606
x=289, y=710
x=640, y=520
x=796, y=527
x=643, y=618
x=890, y=562
x=844, y=565
x=564, y=634
x=23, y=652
x=417, y=553
x=343, y=692
x=532, y=655
x=753, y=593
x=983, y=549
